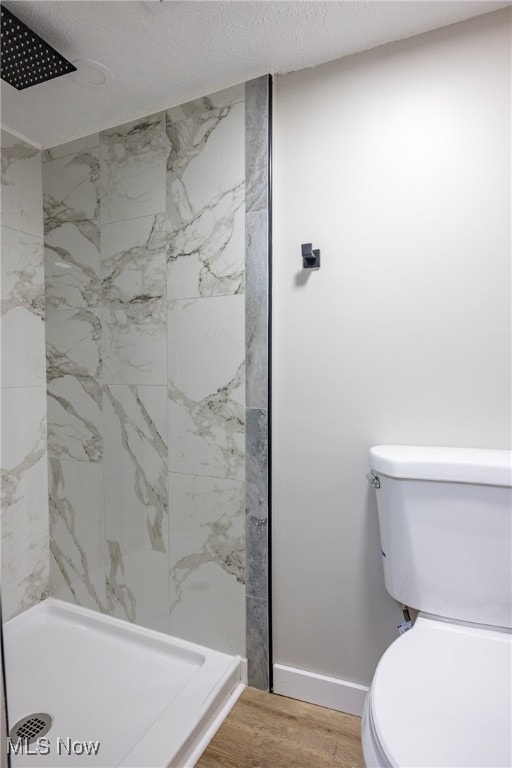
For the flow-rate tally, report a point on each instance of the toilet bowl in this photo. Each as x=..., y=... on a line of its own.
x=441, y=696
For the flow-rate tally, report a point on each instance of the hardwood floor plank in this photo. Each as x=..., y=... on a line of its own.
x=264, y=730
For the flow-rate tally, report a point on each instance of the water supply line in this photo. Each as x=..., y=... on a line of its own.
x=407, y=623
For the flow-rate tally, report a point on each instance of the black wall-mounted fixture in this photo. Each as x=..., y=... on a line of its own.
x=310, y=257
x=26, y=59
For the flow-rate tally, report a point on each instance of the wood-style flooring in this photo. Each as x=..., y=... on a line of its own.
x=264, y=730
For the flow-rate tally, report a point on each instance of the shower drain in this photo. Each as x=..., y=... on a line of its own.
x=31, y=727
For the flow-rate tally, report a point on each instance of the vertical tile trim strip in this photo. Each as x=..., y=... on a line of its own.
x=269, y=380
x=258, y=314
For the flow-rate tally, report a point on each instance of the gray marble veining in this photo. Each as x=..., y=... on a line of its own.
x=133, y=260
x=207, y=560
x=72, y=267
x=72, y=234
x=213, y=103
x=118, y=592
x=135, y=459
x=22, y=273
x=218, y=549
x=74, y=384
x=75, y=418
x=138, y=585
x=73, y=343
x=24, y=499
x=71, y=147
x=205, y=197
x=207, y=386
x=71, y=193
x=133, y=158
x=24, y=571
x=22, y=309
x=23, y=474
x=23, y=471
x=205, y=257
x=77, y=570
x=212, y=509
x=21, y=185
x=208, y=432
x=133, y=301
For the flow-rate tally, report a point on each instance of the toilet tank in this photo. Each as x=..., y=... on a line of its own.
x=445, y=518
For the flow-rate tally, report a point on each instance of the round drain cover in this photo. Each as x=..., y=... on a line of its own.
x=31, y=727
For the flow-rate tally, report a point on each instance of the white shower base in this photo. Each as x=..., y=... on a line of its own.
x=149, y=700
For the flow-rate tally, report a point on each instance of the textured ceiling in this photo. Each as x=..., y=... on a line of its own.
x=166, y=53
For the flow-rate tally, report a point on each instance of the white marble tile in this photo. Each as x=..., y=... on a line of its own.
x=73, y=338
x=206, y=386
x=71, y=147
x=205, y=199
x=134, y=344
x=133, y=259
x=75, y=418
x=24, y=498
x=24, y=489
x=207, y=561
x=138, y=585
x=133, y=312
x=22, y=309
x=71, y=189
x=213, y=102
x=133, y=158
x=21, y=185
x=24, y=571
x=77, y=560
x=72, y=234
x=135, y=461
x=72, y=267
x=74, y=386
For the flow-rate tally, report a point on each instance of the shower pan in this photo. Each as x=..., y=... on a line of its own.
x=112, y=693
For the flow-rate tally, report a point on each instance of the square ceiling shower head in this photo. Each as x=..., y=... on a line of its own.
x=25, y=58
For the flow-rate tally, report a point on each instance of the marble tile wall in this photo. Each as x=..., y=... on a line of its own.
x=71, y=201
x=24, y=497
x=106, y=341
x=146, y=231
x=206, y=369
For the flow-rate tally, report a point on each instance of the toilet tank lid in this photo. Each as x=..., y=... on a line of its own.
x=464, y=465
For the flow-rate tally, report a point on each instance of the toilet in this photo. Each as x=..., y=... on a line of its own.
x=441, y=696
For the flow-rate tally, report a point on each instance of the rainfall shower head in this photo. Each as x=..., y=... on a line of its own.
x=26, y=59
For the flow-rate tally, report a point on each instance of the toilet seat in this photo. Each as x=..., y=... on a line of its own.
x=442, y=698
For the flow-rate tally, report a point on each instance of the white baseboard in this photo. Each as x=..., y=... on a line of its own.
x=319, y=689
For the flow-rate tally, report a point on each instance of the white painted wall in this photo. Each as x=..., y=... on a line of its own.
x=396, y=164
